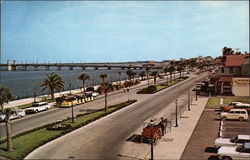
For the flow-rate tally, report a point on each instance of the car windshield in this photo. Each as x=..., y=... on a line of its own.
x=233, y=139
x=35, y=105
x=240, y=148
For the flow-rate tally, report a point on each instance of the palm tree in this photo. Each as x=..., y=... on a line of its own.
x=8, y=112
x=133, y=75
x=142, y=74
x=106, y=87
x=103, y=77
x=5, y=96
x=52, y=82
x=180, y=67
x=166, y=71
x=130, y=74
x=171, y=69
x=120, y=74
x=147, y=70
x=155, y=74
x=83, y=78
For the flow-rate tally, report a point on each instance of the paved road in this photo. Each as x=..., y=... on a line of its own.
x=37, y=120
x=105, y=138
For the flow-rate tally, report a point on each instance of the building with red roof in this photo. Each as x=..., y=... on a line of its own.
x=235, y=70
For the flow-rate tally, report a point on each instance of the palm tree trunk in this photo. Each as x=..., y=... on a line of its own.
x=167, y=77
x=83, y=86
x=2, y=107
x=154, y=80
x=148, y=79
x=8, y=132
x=52, y=95
x=106, y=104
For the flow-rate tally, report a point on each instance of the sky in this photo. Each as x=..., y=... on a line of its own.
x=120, y=31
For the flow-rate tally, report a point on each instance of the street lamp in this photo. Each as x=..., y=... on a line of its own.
x=151, y=136
x=70, y=87
x=34, y=96
x=189, y=100
x=176, y=113
x=196, y=97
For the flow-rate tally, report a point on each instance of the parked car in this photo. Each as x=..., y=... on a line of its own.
x=235, y=141
x=235, y=106
x=231, y=153
x=38, y=107
x=228, y=107
x=235, y=114
x=17, y=113
x=245, y=106
x=91, y=93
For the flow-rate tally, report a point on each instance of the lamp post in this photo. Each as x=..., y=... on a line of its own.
x=34, y=96
x=151, y=136
x=70, y=87
x=176, y=113
x=196, y=97
x=34, y=93
x=189, y=100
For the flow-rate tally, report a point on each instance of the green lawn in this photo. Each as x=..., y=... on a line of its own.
x=213, y=103
x=26, y=142
x=236, y=99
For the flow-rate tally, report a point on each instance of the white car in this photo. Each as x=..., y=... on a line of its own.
x=17, y=113
x=235, y=141
x=233, y=153
x=235, y=114
x=91, y=93
x=38, y=107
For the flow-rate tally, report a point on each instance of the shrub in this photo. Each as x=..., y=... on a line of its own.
x=59, y=126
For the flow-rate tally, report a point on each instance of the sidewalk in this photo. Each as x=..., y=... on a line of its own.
x=172, y=145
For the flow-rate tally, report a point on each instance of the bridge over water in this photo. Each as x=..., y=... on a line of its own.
x=47, y=66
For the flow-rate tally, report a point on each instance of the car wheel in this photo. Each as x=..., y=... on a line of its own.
x=46, y=108
x=19, y=116
x=241, y=119
x=36, y=111
x=226, y=158
x=224, y=118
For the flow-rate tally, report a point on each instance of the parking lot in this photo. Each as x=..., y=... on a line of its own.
x=233, y=128
x=201, y=143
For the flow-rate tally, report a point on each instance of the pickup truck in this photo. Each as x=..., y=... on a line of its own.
x=230, y=153
x=235, y=141
x=38, y=107
x=17, y=113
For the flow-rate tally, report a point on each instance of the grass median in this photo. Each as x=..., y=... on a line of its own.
x=156, y=88
x=28, y=141
x=214, y=102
